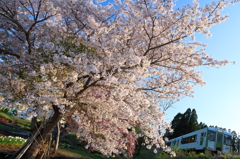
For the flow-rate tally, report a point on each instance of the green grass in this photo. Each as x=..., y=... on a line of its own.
x=12, y=140
x=230, y=156
x=23, y=123
x=68, y=153
x=193, y=155
x=7, y=116
x=75, y=146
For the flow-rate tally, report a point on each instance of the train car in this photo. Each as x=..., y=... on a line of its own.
x=207, y=140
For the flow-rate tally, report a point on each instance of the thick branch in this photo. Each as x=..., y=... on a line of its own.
x=53, y=121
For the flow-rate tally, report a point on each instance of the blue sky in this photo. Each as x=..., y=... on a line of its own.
x=218, y=102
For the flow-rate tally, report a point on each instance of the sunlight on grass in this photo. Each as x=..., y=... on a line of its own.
x=68, y=153
x=12, y=140
x=23, y=123
x=6, y=116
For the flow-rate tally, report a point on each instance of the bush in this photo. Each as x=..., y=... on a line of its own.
x=5, y=110
x=163, y=155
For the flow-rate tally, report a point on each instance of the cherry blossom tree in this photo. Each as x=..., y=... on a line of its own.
x=106, y=66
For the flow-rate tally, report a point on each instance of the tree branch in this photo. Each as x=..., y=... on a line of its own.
x=5, y=52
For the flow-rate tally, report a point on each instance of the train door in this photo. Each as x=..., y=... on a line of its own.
x=211, y=142
x=202, y=138
x=219, y=142
x=227, y=143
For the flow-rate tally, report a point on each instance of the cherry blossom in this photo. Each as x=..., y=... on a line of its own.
x=106, y=66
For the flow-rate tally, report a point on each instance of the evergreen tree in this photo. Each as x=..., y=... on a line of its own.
x=193, y=122
x=202, y=125
x=183, y=126
x=175, y=122
x=238, y=144
x=234, y=142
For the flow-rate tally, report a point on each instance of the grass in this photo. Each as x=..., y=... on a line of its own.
x=193, y=155
x=67, y=153
x=12, y=140
x=231, y=156
x=73, y=145
x=71, y=142
x=7, y=116
x=23, y=123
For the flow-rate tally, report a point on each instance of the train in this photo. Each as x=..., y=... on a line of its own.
x=208, y=140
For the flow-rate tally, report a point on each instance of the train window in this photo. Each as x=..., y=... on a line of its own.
x=183, y=141
x=174, y=142
x=189, y=139
x=227, y=140
x=194, y=138
x=211, y=135
x=204, y=133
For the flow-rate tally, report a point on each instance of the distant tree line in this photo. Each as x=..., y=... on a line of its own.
x=184, y=123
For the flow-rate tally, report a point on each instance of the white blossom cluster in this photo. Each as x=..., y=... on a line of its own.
x=105, y=66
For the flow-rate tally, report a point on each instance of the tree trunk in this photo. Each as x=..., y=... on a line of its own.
x=39, y=147
x=57, y=138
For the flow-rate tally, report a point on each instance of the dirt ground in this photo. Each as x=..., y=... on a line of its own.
x=8, y=150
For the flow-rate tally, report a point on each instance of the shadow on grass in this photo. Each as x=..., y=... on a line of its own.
x=66, y=158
